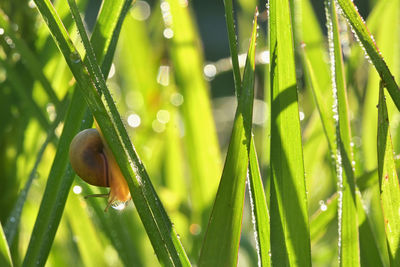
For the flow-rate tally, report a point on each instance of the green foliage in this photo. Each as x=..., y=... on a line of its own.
x=299, y=128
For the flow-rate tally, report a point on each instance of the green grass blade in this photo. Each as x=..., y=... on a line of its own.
x=158, y=226
x=369, y=45
x=347, y=211
x=230, y=24
x=324, y=109
x=389, y=182
x=61, y=175
x=259, y=209
x=5, y=256
x=288, y=207
x=221, y=242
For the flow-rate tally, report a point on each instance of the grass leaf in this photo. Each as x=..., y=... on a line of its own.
x=61, y=174
x=370, y=47
x=221, y=242
x=5, y=256
x=259, y=209
x=347, y=211
x=288, y=207
x=388, y=182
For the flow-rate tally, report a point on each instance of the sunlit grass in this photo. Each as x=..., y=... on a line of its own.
x=302, y=174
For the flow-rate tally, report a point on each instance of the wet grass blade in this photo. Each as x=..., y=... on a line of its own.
x=259, y=209
x=388, y=182
x=370, y=47
x=288, y=208
x=347, y=211
x=5, y=256
x=221, y=242
x=157, y=224
x=61, y=174
x=256, y=190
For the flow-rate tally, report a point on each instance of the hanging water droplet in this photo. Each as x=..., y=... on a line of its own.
x=75, y=57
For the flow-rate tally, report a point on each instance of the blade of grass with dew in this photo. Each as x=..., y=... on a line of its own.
x=157, y=224
x=256, y=190
x=221, y=242
x=61, y=175
x=29, y=59
x=385, y=21
x=347, y=210
x=369, y=45
x=200, y=134
x=288, y=204
x=389, y=182
x=5, y=256
x=260, y=215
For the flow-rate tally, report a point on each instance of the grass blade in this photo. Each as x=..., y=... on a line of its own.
x=369, y=45
x=389, y=182
x=61, y=175
x=288, y=207
x=230, y=24
x=5, y=256
x=221, y=241
x=158, y=226
x=256, y=190
x=259, y=209
x=347, y=211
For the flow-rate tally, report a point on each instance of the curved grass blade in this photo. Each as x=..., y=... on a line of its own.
x=388, y=182
x=369, y=45
x=153, y=215
x=288, y=206
x=5, y=256
x=166, y=243
x=347, y=210
x=61, y=175
x=256, y=190
x=221, y=242
x=259, y=209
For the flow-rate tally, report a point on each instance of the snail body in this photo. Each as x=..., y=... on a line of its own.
x=94, y=163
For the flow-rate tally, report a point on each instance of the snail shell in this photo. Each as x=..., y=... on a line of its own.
x=93, y=161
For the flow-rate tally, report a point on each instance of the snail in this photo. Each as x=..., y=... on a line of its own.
x=93, y=162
